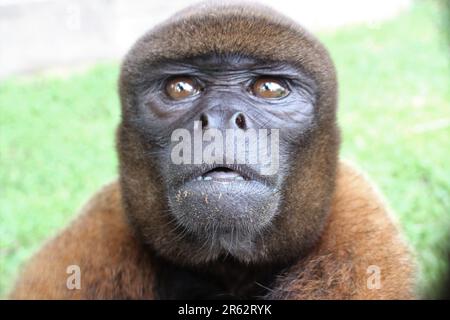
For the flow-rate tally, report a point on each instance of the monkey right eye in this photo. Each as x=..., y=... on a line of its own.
x=180, y=88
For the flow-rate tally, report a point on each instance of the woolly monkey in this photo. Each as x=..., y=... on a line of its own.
x=315, y=228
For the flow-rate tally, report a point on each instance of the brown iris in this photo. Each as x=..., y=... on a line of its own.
x=269, y=88
x=181, y=88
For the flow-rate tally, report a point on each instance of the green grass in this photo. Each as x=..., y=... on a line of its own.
x=57, y=136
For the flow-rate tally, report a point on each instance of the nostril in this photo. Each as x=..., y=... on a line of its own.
x=240, y=121
x=204, y=120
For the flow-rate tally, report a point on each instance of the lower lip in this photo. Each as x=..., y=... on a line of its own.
x=212, y=186
x=222, y=177
x=200, y=204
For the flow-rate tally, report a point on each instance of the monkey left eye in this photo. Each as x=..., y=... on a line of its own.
x=182, y=87
x=269, y=88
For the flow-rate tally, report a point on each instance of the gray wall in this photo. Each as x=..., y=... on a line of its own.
x=40, y=34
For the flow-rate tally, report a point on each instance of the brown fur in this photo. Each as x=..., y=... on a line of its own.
x=99, y=241
x=359, y=233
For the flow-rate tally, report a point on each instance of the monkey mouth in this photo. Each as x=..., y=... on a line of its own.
x=231, y=199
x=206, y=175
x=221, y=174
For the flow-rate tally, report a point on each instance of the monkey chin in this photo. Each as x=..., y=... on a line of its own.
x=228, y=216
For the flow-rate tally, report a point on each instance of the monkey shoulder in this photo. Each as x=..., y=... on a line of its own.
x=96, y=256
x=361, y=253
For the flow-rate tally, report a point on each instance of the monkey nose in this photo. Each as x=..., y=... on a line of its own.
x=204, y=119
x=237, y=120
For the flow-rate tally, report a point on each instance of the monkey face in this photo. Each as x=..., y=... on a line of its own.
x=225, y=152
x=257, y=111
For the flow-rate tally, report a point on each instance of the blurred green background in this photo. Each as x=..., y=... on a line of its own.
x=57, y=136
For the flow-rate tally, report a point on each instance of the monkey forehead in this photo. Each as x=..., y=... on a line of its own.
x=246, y=29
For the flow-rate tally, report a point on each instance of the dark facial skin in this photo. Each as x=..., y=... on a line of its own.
x=224, y=207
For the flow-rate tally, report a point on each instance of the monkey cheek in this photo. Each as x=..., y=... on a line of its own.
x=230, y=215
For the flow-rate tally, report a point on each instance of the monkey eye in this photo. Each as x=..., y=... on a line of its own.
x=269, y=88
x=180, y=88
